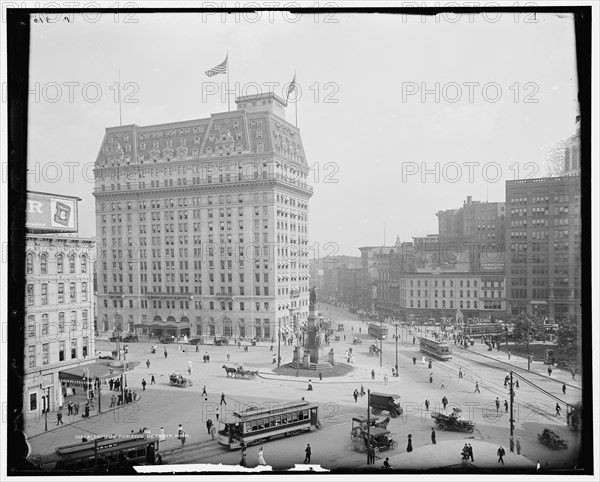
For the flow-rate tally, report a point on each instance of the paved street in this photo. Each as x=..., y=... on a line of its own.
x=168, y=406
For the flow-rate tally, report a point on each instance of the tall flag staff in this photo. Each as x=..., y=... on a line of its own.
x=120, y=117
x=222, y=68
x=292, y=88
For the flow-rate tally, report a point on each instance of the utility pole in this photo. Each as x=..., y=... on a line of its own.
x=528, y=354
x=368, y=426
x=380, y=342
x=279, y=342
x=512, y=413
x=396, y=367
x=46, y=407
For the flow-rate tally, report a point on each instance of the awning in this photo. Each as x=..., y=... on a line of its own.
x=161, y=325
x=98, y=369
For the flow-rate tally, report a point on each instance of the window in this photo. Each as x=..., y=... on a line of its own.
x=31, y=326
x=31, y=356
x=84, y=291
x=73, y=348
x=44, y=264
x=84, y=264
x=61, y=292
x=60, y=263
x=84, y=319
x=45, y=353
x=61, y=351
x=29, y=263
x=72, y=263
x=73, y=293
x=29, y=295
x=73, y=320
x=44, y=294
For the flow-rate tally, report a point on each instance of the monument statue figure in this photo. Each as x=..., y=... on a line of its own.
x=313, y=296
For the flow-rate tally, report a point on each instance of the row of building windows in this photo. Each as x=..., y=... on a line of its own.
x=60, y=263
x=61, y=355
x=60, y=293
x=462, y=304
x=45, y=330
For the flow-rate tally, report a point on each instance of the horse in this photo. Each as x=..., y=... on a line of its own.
x=230, y=371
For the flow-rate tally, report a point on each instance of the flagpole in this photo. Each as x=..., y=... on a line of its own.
x=228, y=99
x=120, y=116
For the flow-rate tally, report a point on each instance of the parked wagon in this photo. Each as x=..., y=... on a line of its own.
x=179, y=380
x=551, y=439
x=240, y=372
x=453, y=421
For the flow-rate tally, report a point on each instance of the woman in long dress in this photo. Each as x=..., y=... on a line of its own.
x=409, y=445
x=261, y=459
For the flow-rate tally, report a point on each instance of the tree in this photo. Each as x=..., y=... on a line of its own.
x=567, y=336
x=528, y=328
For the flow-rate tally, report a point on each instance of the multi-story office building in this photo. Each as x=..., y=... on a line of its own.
x=203, y=225
x=370, y=276
x=59, y=312
x=543, y=266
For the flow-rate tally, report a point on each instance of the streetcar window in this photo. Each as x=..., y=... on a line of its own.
x=267, y=422
x=278, y=420
x=254, y=425
x=247, y=427
x=261, y=423
x=284, y=418
x=141, y=452
x=294, y=416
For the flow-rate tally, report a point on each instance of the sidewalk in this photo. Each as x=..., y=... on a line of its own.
x=537, y=367
x=447, y=454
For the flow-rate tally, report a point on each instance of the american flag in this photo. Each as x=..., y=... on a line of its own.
x=219, y=69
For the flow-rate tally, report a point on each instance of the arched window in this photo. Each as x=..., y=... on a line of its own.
x=71, y=263
x=84, y=261
x=59, y=263
x=29, y=263
x=44, y=264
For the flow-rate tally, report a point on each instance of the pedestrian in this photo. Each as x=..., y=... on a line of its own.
x=162, y=437
x=409, y=444
x=517, y=383
x=518, y=445
x=470, y=452
x=362, y=390
x=135, y=395
x=427, y=405
x=423, y=360
x=320, y=376
x=385, y=379
x=111, y=383
x=386, y=464
x=166, y=353
x=508, y=353
x=572, y=373
x=414, y=360
x=217, y=413
x=373, y=374
x=228, y=356
x=477, y=387
x=500, y=454
x=537, y=466
x=564, y=388
x=183, y=437
x=307, y=450
x=430, y=363
x=86, y=410
x=223, y=399
x=355, y=395
x=207, y=358
x=506, y=406
x=310, y=388
x=213, y=432
x=70, y=408
x=243, y=461
x=497, y=404
x=460, y=372
x=557, y=410
x=143, y=384
x=443, y=386
x=431, y=377
x=152, y=380
x=414, y=339
x=204, y=394
x=261, y=458
x=274, y=358
x=190, y=367
x=148, y=363
x=113, y=400
x=179, y=431
x=433, y=436
x=549, y=371
x=197, y=348
x=178, y=347
x=444, y=402
x=209, y=423
x=59, y=419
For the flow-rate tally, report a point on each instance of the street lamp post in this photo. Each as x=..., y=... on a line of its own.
x=46, y=407
x=368, y=426
x=380, y=342
x=396, y=367
x=279, y=342
x=528, y=354
x=512, y=398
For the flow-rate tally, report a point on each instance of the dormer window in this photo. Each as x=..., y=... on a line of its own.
x=211, y=138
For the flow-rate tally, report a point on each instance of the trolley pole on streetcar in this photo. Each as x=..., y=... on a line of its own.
x=380, y=342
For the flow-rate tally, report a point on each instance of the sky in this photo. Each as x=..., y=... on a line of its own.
x=400, y=116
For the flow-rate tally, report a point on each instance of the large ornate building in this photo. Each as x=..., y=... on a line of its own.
x=203, y=225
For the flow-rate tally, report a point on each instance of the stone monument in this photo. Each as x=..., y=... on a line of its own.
x=313, y=338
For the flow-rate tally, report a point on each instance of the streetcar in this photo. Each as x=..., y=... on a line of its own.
x=105, y=453
x=377, y=331
x=484, y=329
x=255, y=425
x=437, y=349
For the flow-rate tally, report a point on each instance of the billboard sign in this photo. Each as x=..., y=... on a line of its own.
x=51, y=213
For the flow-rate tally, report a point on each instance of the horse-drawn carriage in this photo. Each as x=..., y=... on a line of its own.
x=239, y=372
x=360, y=426
x=453, y=421
x=356, y=341
x=179, y=380
x=374, y=350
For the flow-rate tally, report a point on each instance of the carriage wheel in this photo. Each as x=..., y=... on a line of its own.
x=441, y=426
x=394, y=445
x=393, y=414
x=375, y=411
x=376, y=450
x=354, y=436
x=470, y=429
